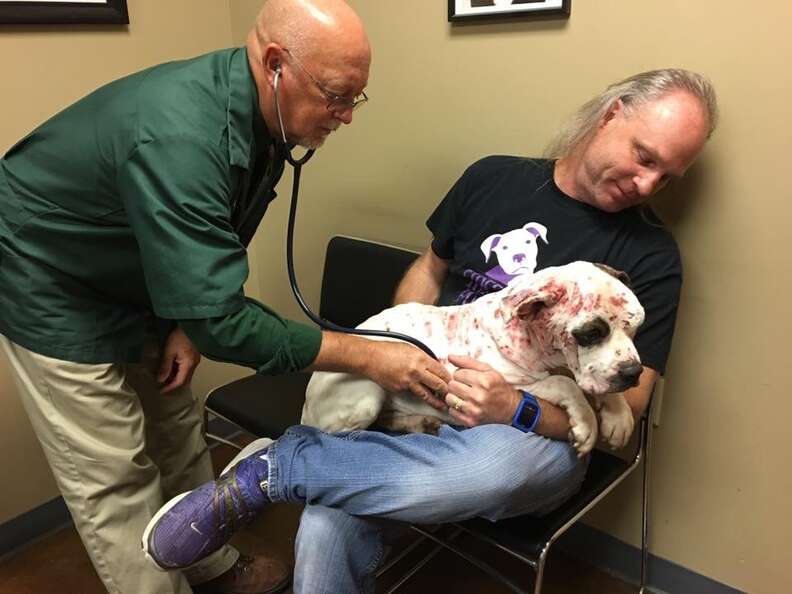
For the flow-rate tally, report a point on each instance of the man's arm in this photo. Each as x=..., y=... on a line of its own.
x=638, y=397
x=489, y=398
x=423, y=280
x=396, y=366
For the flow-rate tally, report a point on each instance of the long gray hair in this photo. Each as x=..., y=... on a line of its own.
x=633, y=91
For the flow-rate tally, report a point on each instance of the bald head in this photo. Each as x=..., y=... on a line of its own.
x=312, y=27
x=318, y=52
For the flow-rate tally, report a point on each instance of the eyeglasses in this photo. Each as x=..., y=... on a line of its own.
x=334, y=102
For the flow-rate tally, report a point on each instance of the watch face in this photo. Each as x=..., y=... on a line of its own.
x=528, y=414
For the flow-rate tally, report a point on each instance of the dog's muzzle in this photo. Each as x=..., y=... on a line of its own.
x=627, y=376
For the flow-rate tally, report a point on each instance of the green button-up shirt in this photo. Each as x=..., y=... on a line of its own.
x=136, y=203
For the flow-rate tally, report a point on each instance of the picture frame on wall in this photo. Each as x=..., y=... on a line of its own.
x=58, y=12
x=469, y=10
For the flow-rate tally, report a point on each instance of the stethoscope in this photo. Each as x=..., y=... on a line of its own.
x=297, y=166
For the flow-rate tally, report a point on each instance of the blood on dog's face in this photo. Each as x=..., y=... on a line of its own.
x=589, y=317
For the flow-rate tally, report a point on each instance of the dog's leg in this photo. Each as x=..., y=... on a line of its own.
x=395, y=421
x=341, y=402
x=565, y=393
x=616, y=419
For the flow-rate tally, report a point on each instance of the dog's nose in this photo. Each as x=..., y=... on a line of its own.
x=518, y=258
x=629, y=372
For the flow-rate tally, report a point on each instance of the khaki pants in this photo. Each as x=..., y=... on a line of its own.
x=118, y=450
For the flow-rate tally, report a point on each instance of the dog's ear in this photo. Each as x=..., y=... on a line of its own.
x=529, y=309
x=618, y=274
x=530, y=302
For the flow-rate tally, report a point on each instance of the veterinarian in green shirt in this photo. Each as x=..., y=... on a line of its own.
x=124, y=222
x=138, y=202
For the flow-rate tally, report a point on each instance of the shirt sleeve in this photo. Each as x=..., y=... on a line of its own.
x=657, y=282
x=176, y=191
x=256, y=337
x=443, y=221
x=176, y=194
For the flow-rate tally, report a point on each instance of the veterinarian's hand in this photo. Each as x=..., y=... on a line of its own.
x=399, y=367
x=179, y=361
x=478, y=394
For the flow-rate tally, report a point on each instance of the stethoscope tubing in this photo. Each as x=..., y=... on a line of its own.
x=322, y=323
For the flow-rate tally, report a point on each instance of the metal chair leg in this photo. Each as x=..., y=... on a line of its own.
x=223, y=440
x=645, y=510
x=540, y=565
x=211, y=436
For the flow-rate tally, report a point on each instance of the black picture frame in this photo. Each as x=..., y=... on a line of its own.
x=466, y=10
x=109, y=12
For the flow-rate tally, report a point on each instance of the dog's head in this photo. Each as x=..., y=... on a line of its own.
x=585, y=313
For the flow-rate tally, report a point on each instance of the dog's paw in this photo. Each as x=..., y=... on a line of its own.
x=396, y=421
x=583, y=429
x=565, y=393
x=431, y=425
x=616, y=421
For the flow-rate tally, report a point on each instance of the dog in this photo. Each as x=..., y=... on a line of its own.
x=579, y=316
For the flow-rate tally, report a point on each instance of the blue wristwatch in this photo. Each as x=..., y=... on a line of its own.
x=527, y=414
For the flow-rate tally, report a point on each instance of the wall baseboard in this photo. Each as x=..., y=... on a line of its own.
x=52, y=516
x=623, y=560
x=33, y=525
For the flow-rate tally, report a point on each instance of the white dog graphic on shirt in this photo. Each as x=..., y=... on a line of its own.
x=515, y=250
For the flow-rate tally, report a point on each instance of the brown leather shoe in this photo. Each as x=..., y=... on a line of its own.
x=249, y=575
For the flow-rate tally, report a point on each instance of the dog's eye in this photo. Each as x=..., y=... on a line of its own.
x=591, y=333
x=587, y=338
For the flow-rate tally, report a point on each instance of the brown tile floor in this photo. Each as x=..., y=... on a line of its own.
x=58, y=563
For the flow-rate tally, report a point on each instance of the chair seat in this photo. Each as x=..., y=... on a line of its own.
x=528, y=535
x=262, y=405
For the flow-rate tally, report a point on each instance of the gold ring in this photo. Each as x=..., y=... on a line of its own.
x=458, y=405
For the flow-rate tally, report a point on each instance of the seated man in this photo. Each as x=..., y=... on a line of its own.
x=585, y=202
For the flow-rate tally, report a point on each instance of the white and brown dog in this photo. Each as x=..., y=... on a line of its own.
x=580, y=317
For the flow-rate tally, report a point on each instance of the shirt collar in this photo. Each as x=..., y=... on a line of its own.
x=244, y=116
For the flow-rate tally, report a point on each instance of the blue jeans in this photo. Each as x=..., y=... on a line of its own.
x=355, y=485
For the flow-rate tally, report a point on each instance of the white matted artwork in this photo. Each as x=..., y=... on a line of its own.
x=464, y=10
x=56, y=12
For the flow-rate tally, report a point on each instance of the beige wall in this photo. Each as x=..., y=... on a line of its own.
x=442, y=97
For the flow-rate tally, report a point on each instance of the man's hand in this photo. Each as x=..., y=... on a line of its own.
x=398, y=367
x=179, y=361
x=478, y=394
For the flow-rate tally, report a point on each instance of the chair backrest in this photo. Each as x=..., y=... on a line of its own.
x=359, y=279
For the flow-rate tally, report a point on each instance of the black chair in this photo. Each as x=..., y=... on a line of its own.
x=266, y=406
x=528, y=538
x=359, y=280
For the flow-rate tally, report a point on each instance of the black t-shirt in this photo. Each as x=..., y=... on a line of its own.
x=505, y=216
